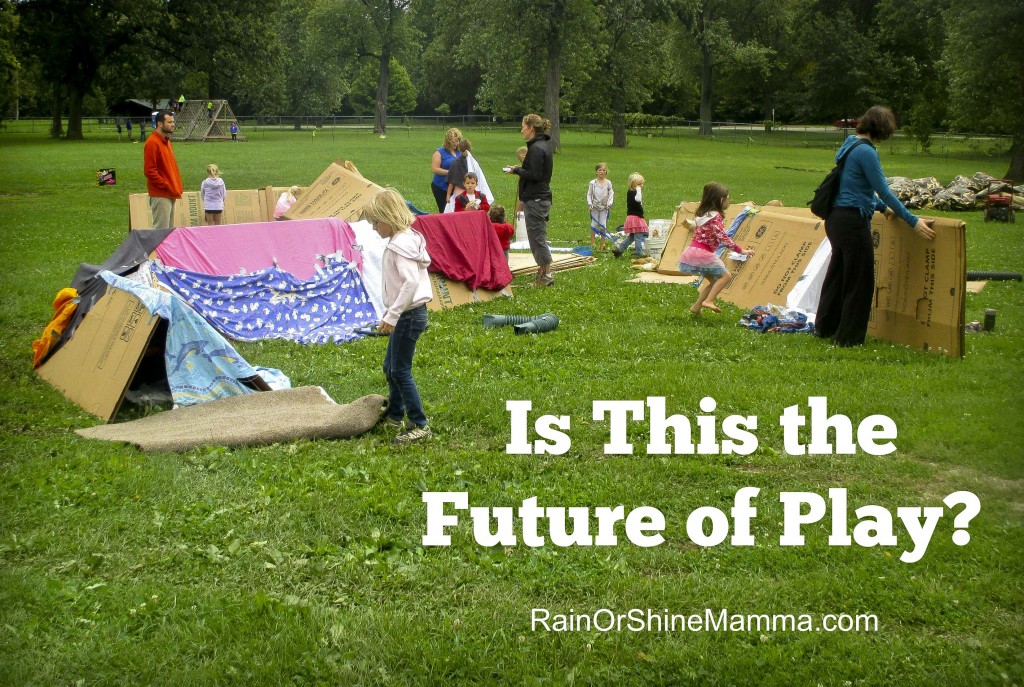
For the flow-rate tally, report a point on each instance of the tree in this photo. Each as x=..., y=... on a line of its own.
x=985, y=66
x=631, y=59
x=401, y=93
x=10, y=67
x=556, y=36
x=315, y=71
x=707, y=24
x=73, y=39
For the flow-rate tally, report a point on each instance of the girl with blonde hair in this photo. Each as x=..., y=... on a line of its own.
x=406, y=291
x=213, y=192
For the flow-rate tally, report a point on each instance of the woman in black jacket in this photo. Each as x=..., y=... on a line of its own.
x=535, y=192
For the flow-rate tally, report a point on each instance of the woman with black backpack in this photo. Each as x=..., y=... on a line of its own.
x=844, y=306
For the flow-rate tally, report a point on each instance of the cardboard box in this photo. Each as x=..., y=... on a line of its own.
x=452, y=294
x=338, y=192
x=920, y=285
x=96, y=367
x=240, y=207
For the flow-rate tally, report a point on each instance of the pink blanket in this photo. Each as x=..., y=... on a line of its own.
x=295, y=246
x=463, y=246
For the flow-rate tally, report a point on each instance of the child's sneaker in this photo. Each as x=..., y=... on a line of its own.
x=412, y=435
x=392, y=423
x=616, y=252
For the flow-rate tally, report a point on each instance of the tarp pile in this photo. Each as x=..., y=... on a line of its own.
x=962, y=193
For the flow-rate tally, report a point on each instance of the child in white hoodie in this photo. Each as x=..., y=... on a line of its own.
x=406, y=291
x=213, y=192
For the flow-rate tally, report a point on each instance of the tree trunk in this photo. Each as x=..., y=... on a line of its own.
x=75, y=96
x=1016, y=170
x=552, y=91
x=619, y=121
x=380, y=116
x=706, y=73
x=56, y=111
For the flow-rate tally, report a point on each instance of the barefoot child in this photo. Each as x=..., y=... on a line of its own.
x=699, y=257
x=406, y=291
x=600, y=197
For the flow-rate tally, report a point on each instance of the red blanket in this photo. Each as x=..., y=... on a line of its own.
x=464, y=247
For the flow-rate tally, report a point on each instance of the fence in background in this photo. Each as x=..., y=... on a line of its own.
x=794, y=135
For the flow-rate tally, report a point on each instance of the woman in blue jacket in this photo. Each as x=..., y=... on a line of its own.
x=849, y=287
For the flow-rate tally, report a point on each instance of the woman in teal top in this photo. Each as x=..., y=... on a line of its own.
x=844, y=306
x=439, y=164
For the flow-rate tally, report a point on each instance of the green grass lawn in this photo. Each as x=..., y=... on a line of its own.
x=303, y=564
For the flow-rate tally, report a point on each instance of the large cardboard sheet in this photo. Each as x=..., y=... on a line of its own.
x=96, y=367
x=919, y=284
x=338, y=192
x=240, y=207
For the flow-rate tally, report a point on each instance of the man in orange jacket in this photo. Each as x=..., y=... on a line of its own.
x=163, y=180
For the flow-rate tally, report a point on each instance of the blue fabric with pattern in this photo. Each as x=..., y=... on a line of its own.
x=274, y=304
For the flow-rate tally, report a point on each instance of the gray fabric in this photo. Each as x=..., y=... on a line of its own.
x=537, y=213
x=250, y=420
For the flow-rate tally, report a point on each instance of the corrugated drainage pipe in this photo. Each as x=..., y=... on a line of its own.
x=501, y=320
x=537, y=325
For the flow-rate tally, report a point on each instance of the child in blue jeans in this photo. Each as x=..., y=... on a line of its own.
x=406, y=292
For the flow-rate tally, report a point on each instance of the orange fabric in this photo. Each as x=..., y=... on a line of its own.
x=163, y=180
x=64, y=306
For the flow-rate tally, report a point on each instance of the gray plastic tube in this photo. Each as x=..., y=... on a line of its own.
x=537, y=325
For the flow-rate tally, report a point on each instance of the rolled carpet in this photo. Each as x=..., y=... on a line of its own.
x=257, y=419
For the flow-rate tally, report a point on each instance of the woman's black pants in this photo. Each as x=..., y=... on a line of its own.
x=844, y=307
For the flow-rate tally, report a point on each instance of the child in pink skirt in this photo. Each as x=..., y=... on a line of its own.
x=699, y=257
x=636, y=226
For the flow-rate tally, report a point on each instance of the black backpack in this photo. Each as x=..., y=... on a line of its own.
x=825, y=194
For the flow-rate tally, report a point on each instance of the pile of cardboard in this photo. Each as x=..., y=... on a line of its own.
x=920, y=285
x=524, y=264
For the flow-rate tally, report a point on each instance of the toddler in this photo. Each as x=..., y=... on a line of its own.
x=636, y=226
x=503, y=229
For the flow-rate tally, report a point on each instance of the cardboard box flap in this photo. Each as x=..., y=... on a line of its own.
x=338, y=192
x=96, y=367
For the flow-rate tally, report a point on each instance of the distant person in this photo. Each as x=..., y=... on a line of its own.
x=214, y=191
x=440, y=162
x=535, y=192
x=234, y=132
x=181, y=102
x=636, y=226
x=118, y=123
x=471, y=198
x=285, y=202
x=503, y=229
x=128, y=128
x=699, y=257
x=844, y=306
x=142, y=129
x=163, y=180
x=600, y=198
x=209, y=110
x=406, y=291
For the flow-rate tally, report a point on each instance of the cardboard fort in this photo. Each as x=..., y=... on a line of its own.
x=920, y=285
x=117, y=342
